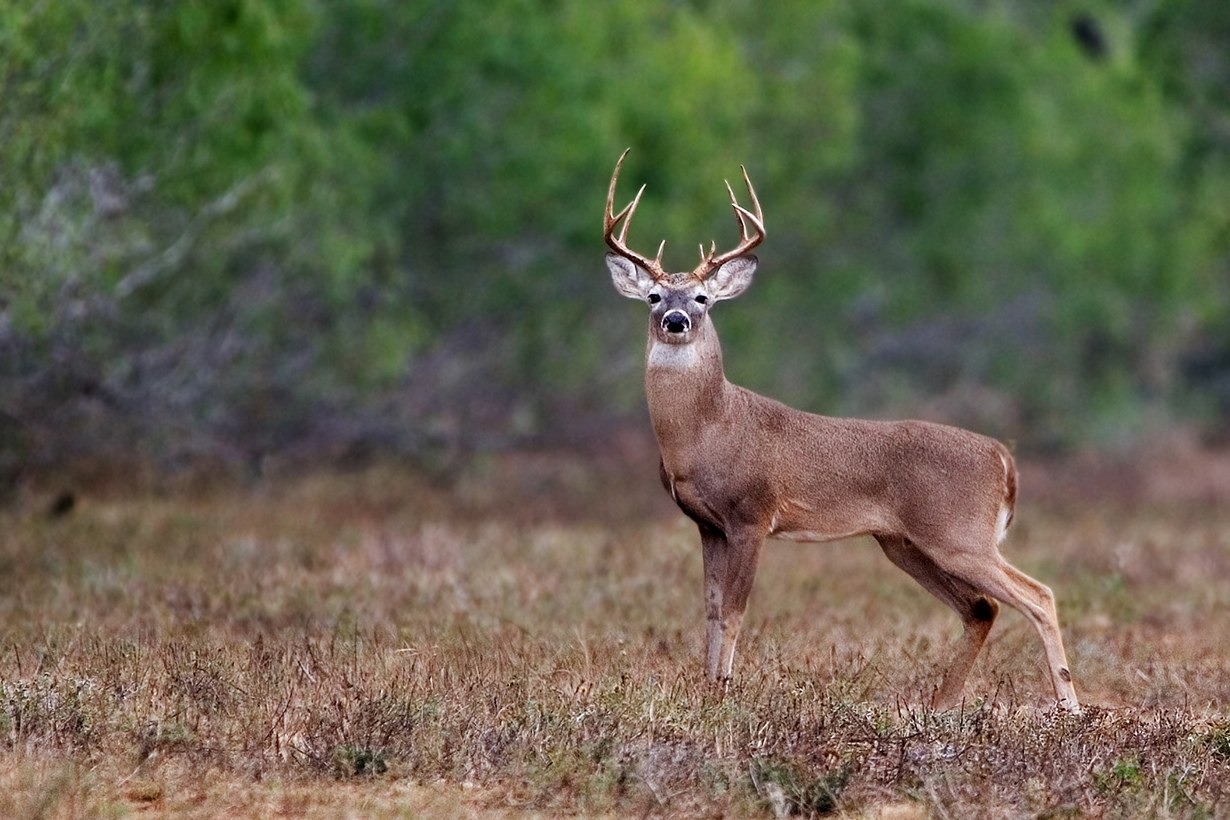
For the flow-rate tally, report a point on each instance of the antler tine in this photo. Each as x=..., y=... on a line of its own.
x=712, y=250
x=755, y=200
x=609, y=217
x=611, y=220
x=748, y=239
x=741, y=212
x=630, y=210
x=734, y=203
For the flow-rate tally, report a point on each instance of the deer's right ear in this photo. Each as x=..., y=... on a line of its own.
x=630, y=279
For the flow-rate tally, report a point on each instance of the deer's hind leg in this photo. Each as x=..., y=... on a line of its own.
x=976, y=610
x=1035, y=600
x=990, y=573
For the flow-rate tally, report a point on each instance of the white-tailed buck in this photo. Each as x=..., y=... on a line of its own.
x=744, y=467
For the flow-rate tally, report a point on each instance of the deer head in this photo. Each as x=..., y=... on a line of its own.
x=679, y=302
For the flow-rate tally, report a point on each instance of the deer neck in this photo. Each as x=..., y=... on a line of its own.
x=686, y=389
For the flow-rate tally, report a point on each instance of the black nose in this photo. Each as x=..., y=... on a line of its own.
x=676, y=322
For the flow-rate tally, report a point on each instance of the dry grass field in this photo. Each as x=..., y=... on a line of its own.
x=528, y=641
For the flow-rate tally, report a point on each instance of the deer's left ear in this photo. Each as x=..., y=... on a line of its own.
x=731, y=279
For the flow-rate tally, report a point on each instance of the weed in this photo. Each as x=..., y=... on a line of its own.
x=353, y=636
x=353, y=761
x=1126, y=771
x=789, y=789
x=164, y=736
x=1217, y=741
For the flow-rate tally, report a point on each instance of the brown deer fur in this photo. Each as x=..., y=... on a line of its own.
x=744, y=467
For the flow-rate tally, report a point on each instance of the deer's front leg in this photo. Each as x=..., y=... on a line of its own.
x=713, y=545
x=730, y=570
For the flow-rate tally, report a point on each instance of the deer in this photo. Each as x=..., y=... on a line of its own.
x=744, y=467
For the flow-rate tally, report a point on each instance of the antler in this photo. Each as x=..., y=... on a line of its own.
x=611, y=220
x=749, y=239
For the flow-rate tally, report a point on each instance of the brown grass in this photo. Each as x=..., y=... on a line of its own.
x=527, y=640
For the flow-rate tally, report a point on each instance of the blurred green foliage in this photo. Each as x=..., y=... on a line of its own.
x=239, y=226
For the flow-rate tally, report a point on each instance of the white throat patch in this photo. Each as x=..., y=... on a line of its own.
x=675, y=357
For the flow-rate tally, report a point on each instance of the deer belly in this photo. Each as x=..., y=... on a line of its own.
x=795, y=521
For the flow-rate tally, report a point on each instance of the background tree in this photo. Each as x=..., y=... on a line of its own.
x=243, y=227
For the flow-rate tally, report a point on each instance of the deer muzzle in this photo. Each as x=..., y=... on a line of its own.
x=676, y=321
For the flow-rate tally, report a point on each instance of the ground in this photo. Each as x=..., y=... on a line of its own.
x=525, y=638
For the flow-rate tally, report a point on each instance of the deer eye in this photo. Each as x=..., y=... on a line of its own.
x=654, y=298
x=702, y=299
